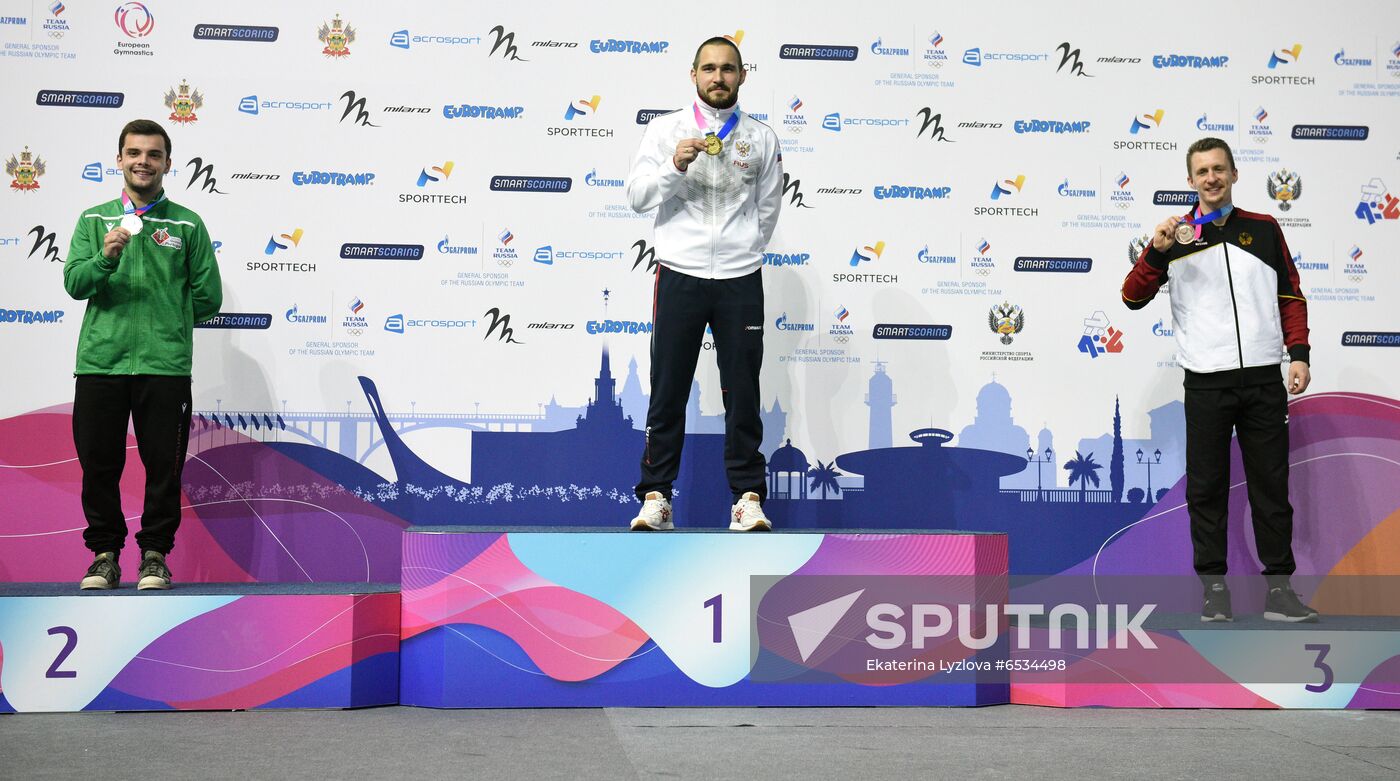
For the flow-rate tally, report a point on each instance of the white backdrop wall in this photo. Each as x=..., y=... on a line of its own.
x=275, y=111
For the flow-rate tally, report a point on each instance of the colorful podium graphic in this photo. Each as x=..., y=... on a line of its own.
x=211, y=647
x=590, y=618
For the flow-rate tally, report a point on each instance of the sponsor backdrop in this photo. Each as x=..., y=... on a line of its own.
x=437, y=300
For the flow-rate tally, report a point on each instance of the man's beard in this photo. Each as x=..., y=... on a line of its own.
x=149, y=190
x=727, y=102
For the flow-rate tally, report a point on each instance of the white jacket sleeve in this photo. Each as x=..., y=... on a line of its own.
x=770, y=190
x=654, y=177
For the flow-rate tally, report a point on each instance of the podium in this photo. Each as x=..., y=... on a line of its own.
x=497, y=618
x=198, y=647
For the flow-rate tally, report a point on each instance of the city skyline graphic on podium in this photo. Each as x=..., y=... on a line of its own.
x=285, y=495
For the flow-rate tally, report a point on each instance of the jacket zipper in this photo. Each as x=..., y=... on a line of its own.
x=1234, y=305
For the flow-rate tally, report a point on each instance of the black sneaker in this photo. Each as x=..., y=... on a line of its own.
x=1283, y=604
x=1217, y=606
x=103, y=574
x=154, y=573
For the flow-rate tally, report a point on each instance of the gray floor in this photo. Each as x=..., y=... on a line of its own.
x=856, y=744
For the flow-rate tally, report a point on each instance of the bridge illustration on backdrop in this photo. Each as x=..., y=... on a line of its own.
x=355, y=435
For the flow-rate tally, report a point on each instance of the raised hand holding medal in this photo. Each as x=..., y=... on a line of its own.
x=714, y=142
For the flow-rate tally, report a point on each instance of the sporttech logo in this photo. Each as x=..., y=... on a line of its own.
x=1142, y=122
x=582, y=107
x=1285, y=56
x=1008, y=186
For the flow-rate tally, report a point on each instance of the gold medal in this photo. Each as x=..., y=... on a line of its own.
x=713, y=145
x=1185, y=233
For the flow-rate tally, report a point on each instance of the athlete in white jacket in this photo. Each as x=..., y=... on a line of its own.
x=714, y=176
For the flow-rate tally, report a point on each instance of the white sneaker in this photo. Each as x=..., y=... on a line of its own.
x=747, y=515
x=655, y=515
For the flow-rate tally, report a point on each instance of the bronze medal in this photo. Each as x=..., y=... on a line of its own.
x=713, y=145
x=1185, y=233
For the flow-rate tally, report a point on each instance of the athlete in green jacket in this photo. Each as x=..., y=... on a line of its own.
x=146, y=268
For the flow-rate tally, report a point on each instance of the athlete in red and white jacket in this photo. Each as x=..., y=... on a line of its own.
x=1239, y=312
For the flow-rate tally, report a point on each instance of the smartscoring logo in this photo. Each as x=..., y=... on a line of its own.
x=818, y=51
x=1174, y=198
x=615, y=46
x=926, y=331
x=253, y=321
x=1370, y=339
x=531, y=184
x=1051, y=126
x=1331, y=132
x=332, y=178
x=899, y=191
x=250, y=104
x=354, y=251
x=646, y=115
x=1060, y=265
x=79, y=98
x=234, y=32
x=1190, y=61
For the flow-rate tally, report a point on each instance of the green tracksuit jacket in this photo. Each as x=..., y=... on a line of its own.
x=142, y=307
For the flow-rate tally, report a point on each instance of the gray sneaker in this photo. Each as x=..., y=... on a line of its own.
x=103, y=574
x=154, y=573
x=1283, y=604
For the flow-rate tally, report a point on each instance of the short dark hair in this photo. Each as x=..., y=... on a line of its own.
x=143, y=127
x=723, y=41
x=1205, y=145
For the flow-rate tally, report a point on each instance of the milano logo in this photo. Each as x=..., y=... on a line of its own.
x=644, y=253
x=357, y=105
x=793, y=186
x=505, y=43
x=932, y=124
x=1070, y=56
x=203, y=173
x=47, y=241
x=503, y=322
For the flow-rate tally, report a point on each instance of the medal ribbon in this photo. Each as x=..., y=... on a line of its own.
x=130, y=208
x=1201, y=219
x=705, y=126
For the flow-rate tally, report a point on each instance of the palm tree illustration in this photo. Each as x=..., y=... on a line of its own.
x=1083, y=469
x=824, y=477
